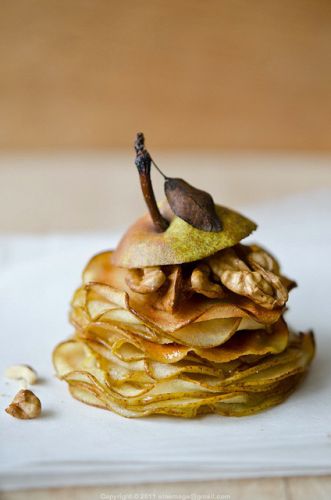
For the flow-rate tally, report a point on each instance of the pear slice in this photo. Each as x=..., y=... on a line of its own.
x=143, y=246
x=246, y=342
x=106, y=284
x=183, y=389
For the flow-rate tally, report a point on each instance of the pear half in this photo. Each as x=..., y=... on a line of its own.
x=143, y=246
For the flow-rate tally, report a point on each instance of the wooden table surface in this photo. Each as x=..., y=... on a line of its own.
x=227, y=74
x=85, y=192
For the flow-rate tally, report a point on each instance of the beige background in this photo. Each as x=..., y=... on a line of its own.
x=233, y=74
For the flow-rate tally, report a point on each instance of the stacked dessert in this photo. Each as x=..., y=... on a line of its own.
x=182, y=319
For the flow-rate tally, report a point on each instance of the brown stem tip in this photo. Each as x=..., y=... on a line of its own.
x=143, y=163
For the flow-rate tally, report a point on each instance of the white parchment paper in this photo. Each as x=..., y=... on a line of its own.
x=75, y=444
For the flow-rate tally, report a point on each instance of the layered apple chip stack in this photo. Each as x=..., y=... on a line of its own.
x=183, y=339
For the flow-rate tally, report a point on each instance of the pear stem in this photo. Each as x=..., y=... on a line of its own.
x=143, y=163
x=159, y=170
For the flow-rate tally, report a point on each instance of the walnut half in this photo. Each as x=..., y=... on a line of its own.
x=145, y=280
x=261, y=285
x=25, y=405
x=201, y=283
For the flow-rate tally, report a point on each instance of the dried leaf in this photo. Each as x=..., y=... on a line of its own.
x=194, y=206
